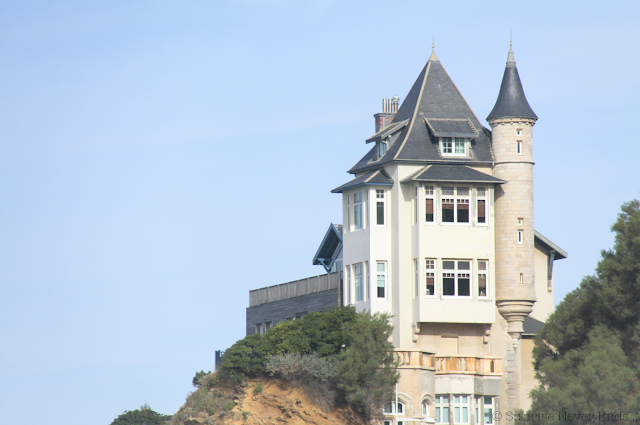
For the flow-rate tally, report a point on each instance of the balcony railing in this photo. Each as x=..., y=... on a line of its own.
x=468, y=365
x=297, y=288
x=414, y=359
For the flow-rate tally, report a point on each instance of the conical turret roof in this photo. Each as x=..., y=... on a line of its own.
x=511, y=103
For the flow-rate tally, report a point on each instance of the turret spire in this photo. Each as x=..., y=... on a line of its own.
x=511, y=103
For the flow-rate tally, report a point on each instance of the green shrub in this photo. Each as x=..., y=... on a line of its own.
x=144, y=415
x=198, y=377
x=257, y=389
x=315, y=333
x=368, y=372
x=315, y=375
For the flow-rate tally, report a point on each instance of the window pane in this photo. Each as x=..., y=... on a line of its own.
x=465, y=415
x=357, y=197
x=448, y=287
x=481, y=211
x=428, y=190
x=447, y=190
x=445, y=413
x=447, y=210
x=481, y=191
x=482, y=265
x=464, y=265
x=463, y=210
x=449, y=265
x=464, y=287
x=482, y=285
x=456, y=414
x=357, y=216
x=429, y=210
x=430, y=284
x=381, y=267
x=463, y=191
x=380, y=213
x=438, y=414
x=380, y=291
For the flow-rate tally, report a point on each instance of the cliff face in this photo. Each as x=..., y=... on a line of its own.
x=278, y=403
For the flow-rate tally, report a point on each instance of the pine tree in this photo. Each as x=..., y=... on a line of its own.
x=587, y=356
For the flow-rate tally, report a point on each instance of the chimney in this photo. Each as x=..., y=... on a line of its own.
x=389, y=109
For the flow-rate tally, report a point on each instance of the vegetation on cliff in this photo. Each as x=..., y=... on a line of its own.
x=337, y=358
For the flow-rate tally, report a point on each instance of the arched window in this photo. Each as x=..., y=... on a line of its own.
x=425, y=408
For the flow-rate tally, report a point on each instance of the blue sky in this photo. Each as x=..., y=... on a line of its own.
x=158, y=159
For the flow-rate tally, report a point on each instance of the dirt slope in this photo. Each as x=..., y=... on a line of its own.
x=277, y=403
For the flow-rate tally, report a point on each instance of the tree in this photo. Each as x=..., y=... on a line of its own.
x=587, y=355
x=142, y=416
x=367, y=368
x=320, y=333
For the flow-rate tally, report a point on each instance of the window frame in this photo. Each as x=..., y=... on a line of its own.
x=519, y=147
x=484, y=198
x=383, y=274
x=443, y=407
x=455, y=199
x=462, y=406
x=348, y=272
x=454, y=144
x=429, y=192
x=481, y=408
x=381, y=199
x=416, y=277
x=383, y=147
x=358, y=283
x=485, y=273
x=456, y=272
x=430, y=272
x=520, y=238
x=358, y=207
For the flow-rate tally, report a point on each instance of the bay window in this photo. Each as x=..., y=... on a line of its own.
x=456, y=278
x=455, y=204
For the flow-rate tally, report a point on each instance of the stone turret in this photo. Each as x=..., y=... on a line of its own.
x=512, y=121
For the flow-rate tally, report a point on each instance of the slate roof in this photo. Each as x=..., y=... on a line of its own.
x=387, y=131
x=377, y=177
x=435, y=97
x=451, y=173
x=330, y=247
x=560, y=254
x=451, y=127
x=511, y=103
x=531, y=326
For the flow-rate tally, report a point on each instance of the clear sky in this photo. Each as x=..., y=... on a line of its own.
x=158, y=159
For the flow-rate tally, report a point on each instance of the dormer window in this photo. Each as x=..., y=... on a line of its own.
x=382, y=147
x=453, y=146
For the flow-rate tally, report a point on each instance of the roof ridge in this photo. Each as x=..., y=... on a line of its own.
x=415, y=110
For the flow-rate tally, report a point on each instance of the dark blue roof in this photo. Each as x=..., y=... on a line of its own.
x=375, y=177
x=452, y=173
x=435, y=97
x=511, y=103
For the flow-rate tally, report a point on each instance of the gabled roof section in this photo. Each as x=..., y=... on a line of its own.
x=451, y=127
x=377, y=177
x=531, y=326
x=511, y=103
x=560, y=253
x=387, y=131
x=433, y=96
x=330, y=248
x=451, y=173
